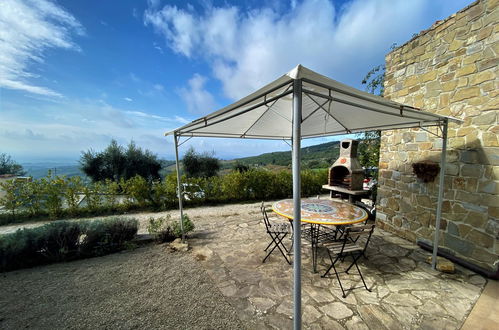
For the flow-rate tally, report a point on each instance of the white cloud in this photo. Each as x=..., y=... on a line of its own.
x=128, y=99
x=177, y=119
x=64, y=129
x=247, y=49
x=158, y=87
x=197, y=98
x=27, y=29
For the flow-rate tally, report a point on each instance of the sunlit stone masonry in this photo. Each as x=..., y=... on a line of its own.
x=450, y=69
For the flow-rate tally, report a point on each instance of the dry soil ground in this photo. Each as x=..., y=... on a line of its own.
x=147, y=288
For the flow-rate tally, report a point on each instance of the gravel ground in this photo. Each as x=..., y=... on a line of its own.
x=206, y=212
x=147, y=288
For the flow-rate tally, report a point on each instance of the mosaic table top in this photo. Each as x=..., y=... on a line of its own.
x=322, y=211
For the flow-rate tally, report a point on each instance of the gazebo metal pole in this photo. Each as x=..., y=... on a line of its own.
x=179, y=189
x=296, y=138
x=443, y=158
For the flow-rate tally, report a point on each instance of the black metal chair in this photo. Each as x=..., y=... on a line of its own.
x=349, y=245
x=277, y=232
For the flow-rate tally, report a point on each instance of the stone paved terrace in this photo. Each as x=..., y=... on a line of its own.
x=406, y=292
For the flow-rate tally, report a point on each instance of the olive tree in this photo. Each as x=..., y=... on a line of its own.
x=200, y=165
x=116, y=163
x=9, y=166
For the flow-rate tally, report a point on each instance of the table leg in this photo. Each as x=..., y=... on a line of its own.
x=314, y=232
x=292, y=235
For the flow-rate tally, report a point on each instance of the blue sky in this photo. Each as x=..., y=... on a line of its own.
x=75, y=74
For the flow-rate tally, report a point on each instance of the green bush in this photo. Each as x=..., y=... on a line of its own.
x=166, y=230
x=161, y=229
x=14, y=197
x=188, y=226
x=59, y=196
x=58, y=241
x=53, y=191
x=64, y=241
x=93, y=195
x=20, y=249
x=104, y=236
x=72, y=190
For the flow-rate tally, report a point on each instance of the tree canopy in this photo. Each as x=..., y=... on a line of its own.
x=117, y=162
x=200, y=165
x=9, y=166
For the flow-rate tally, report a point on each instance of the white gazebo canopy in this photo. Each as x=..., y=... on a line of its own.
x=328, y=108
x=304, y=104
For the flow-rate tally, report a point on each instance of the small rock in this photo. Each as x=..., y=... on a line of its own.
x=177, y=245
x=443, y=265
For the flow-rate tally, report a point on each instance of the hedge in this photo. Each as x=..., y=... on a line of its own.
x=64, y=241
x=57, y=197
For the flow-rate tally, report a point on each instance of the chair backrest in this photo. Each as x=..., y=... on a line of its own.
x=265, y=216
x=353, y=233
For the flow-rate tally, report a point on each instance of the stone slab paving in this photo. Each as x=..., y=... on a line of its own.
x=406, y=292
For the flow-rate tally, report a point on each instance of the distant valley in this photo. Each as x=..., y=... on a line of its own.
x=318, y=156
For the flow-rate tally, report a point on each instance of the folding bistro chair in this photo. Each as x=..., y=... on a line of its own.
x=349, y=245
x=277, y=232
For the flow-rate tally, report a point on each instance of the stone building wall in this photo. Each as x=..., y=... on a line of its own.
x=450, y=69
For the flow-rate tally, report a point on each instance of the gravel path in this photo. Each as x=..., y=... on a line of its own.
x=147, y=288
x=206, y=212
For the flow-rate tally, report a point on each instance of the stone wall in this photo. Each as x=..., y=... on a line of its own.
x=450, y=69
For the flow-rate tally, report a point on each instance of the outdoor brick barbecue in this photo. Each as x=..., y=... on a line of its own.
x=346, y=171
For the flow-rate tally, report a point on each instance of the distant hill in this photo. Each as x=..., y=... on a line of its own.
x=40, y=170
x=318, y=156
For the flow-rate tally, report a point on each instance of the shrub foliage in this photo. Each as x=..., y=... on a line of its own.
x=166, y=230
x=9, y=166
x=58, y=197
x=116, y=163
x=200, y=165
x=64, y=241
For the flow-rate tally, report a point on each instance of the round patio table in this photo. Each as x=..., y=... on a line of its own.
x=319, y=212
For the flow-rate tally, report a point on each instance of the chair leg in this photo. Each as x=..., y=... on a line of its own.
x=362, y=277
x=355, y=258
x=354, y=262
x=274, y=239
x=273, y=243
x=332, y=263
x=277, y=240
x=269, y=245
x=282, y=252
x=339, y=281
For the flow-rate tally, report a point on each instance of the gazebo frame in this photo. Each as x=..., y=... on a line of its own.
x=329, y=104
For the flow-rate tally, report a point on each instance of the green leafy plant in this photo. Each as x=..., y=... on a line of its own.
x=93, y=195
x=106, y=236
x=188, y=226
x=116, y=163
x=111, y=191
x=9, y=166
x=58, y=241
x=161, y=229
x=166, y=230
x=12, y=199
x=32, y=197
x=200, y=165
x=73, y=188
x=65, y=240
x=138, y=189
x=52, y=190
